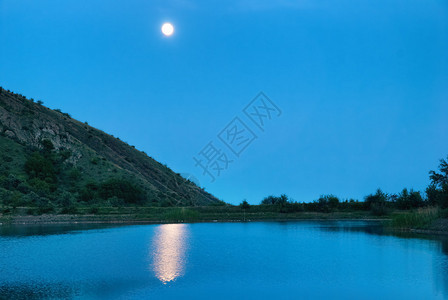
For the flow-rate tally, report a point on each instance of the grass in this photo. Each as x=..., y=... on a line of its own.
x=181, y=215
x=421, y=218
x=170, y=215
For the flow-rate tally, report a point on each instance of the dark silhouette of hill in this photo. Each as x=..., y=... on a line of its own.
x=51, y=160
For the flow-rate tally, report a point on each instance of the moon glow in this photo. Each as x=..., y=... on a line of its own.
x=167, y=29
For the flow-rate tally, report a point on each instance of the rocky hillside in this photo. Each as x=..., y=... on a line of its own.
x=50, y=160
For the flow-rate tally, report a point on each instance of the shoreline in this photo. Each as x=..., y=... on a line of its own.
x=113, y=219
x=154, y=219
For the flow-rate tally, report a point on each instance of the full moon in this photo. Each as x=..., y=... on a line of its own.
x=167, y=29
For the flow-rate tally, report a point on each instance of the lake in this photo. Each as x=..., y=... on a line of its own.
x=283, y=260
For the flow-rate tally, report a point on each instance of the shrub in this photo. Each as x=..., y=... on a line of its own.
x=24, y=188
x=47, y=145
x=166, y=203
x=32, y=199
x=7, y=158
x=69, y=210
x=5, y=196
x=74, y=174
x=42, y=187
x=68, y=203
x=122, y=189
x=10, y=182
x=379, y=209
x=67, y=199
x=218, y=203
x=65, y=154
x=94, y=210
x=89, y=192
x=38, y=166
x=115, y=201
x=45, y=209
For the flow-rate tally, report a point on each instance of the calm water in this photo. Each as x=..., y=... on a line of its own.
x=287, y=260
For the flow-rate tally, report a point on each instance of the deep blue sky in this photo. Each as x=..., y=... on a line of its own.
x=362, y=85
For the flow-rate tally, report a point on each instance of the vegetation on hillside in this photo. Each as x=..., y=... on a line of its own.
x=51, y=163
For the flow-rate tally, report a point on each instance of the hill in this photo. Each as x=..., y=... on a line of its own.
x=52, y=161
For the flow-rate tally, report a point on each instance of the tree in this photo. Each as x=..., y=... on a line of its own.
x=376, y=202
x=415, y=199
x=327, y=203
x=437, y=192
x=122, y=189
x=273, y=200
x=409, y=199
x=244, y=205
x=440, y=179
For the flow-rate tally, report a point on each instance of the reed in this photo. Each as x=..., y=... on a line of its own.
x=418, y=219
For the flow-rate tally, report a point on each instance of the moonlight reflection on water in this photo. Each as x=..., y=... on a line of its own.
x=169, y=246
x=257, y=260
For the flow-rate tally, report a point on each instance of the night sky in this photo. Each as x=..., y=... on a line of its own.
x=355, y=92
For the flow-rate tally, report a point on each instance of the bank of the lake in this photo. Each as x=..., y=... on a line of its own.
x=177, y=215
x=425, y=220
